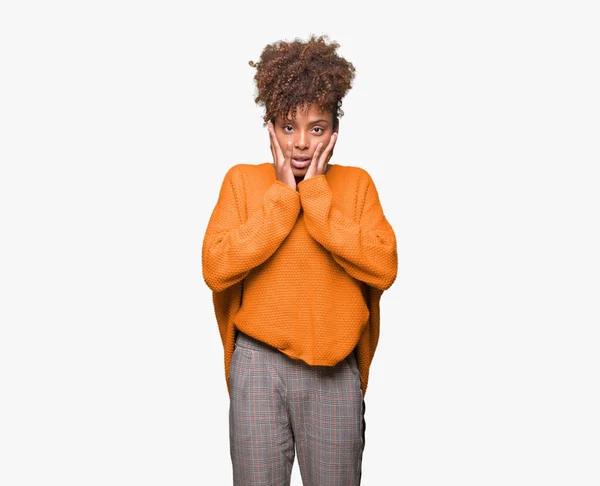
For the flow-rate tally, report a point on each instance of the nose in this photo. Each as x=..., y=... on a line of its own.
x=301, y=141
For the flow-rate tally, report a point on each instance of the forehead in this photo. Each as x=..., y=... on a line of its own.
x=311, y=115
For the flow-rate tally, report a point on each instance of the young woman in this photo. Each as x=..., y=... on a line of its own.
x=298, y=253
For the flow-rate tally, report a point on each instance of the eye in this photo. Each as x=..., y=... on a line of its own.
x=285, y=129
x=319, y=128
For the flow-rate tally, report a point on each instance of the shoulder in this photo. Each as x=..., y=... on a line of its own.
x=351, y=171
x=243, y=171
x=352, y=175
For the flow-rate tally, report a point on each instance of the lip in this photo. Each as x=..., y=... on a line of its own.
x=300, y=162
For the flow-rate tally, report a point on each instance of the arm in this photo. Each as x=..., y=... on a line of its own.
x=365, y=248
x=231, y=246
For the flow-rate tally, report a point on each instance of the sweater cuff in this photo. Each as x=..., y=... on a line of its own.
x=283, y=185
x=282, y=193
x=315, y=186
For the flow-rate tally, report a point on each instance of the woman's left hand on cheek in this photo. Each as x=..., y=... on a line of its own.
x=321, y=158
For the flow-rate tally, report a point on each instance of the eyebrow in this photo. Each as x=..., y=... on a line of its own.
x=310, y=123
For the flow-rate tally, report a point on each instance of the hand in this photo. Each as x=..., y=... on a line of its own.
x=321, y=158
x=283, y=168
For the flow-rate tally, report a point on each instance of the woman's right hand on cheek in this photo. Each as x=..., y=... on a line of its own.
x=283, y=168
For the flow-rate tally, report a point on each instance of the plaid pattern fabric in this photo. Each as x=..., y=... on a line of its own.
x=278, y=403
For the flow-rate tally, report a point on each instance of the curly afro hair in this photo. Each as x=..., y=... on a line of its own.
x=299, y=74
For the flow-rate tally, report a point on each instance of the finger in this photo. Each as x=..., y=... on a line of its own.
x=313, y=167
x=317, y=154
x=272, y=148
x=332, y=147
x=272, y=139
x=288, y=152
x=329, y=155
x=331, y=143
x=271, y=132
x=275, y=143
x=327, y=152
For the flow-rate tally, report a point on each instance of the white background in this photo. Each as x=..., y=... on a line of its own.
x=479, y=123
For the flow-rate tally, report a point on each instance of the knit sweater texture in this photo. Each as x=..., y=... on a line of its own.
x=302, y=270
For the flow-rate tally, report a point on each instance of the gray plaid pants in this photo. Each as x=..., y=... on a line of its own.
x=278, y=403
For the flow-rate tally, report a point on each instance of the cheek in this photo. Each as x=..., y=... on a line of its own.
x=325, y=140
x=282, y=140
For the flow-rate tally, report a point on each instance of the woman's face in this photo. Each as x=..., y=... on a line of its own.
x=306, y=132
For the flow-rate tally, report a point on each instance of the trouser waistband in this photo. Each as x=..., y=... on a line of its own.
x=245, y=341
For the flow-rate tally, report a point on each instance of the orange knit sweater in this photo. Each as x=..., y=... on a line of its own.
x=301, y=270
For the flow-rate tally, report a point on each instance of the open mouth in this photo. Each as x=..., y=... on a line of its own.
x=300, y=162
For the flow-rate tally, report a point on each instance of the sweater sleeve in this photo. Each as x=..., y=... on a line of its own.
x=366, y=248
x=233, y=246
